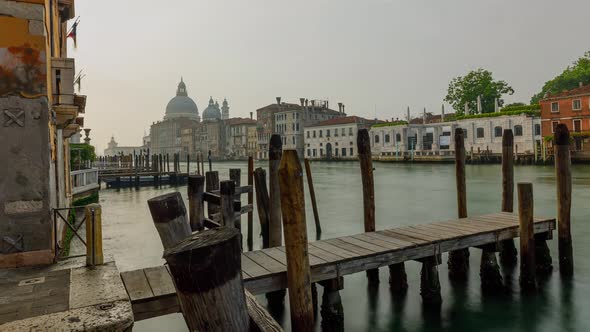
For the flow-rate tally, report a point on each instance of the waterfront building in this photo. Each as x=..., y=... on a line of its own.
x=571, y=108
x=41, y=112
x=236, y=131
x=113, y=149
x=289, y=120
x=432, y=136
x=334, y=138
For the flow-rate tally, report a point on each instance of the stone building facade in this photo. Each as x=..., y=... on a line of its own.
x=113, y=149
x=40, y=111
x=236, y=137
x=334, y=138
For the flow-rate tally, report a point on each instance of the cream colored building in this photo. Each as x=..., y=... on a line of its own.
x=334, y=138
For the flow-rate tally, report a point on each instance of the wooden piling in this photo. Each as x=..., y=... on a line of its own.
x=211, y=294
x=275, y=151
x=235, y=175
x=508, y=253
x=527, y=237
x=169, y=216
x=210, y=161
x=429, y=281
x=250, y=202
x=332, y=310
x=398, y=279
x=198, y=165
x=563, y=177
x=227, y=193
x=364, y=154
x=298, y=270
x=211, y=184
x=196, y=206
x=202, y=163
x=94, y=254
x=168, y=162
x=458, y=261
x=316, y=216
x=262, y=203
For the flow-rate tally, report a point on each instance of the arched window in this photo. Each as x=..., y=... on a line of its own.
x=518, y=130
x=387, y=139
x=398, y=137
x=497, y=131
x=376, y=138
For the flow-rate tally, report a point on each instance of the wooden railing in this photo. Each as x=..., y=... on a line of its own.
x=84, y=180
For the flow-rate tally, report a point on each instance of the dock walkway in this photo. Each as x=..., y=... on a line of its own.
x=152, y=292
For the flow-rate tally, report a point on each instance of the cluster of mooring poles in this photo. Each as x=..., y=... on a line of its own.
x=212, y=295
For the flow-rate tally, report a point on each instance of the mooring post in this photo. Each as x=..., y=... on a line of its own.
x=398, y=279
x=332, y=310
x=198, y=165
x=227, y=192
x=202, y=163
x=508, y=254
x=235, y=175
x=250, y=202
x=169, y=216
x=188, y=164
x=262, y=204
x=298, y=270
x=160, y=164
x=316, y=216
x=94, y=255
x=429, y=282
x=210, y=162
x=364, y=154
x=211, y=184
x=196, y=205
x=527, y=239
x=564, y=199
x=458, y=261
x=211, y=294
x=168, y=162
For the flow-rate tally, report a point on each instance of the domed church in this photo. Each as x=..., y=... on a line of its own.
x=181, y=106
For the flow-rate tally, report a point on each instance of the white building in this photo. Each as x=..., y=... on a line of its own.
x=334, y=138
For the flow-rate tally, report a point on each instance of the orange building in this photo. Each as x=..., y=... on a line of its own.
x=571, y=108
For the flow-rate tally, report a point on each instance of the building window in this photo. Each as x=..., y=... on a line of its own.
x=321, y=135
x=314, y=134
x=387, y=138
x=308, y=134
x=554, y=125
x=480, y=133
x=327, y=132
x=398, y=137
x=343, y=152
x=321, y=152
x=293, y=140
x=464, y=133
x=497, y=131
x=518, y=130
x=577, y=125
x=376, y=139
x=335, y=132
x=351, y=152
x=537, y=129
x=343, y=131
x=309, y=152
x=577, y=104
x=336, y=152
x=554, y=107
x=350, y=131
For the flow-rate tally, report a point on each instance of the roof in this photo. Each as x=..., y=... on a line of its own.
x=579, y=91
x=344, y=120
x=290, y=107
x=239, y=121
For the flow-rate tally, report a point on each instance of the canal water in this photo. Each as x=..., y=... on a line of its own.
x=406, y=194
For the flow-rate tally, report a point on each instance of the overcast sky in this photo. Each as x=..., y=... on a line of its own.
x=375, y=56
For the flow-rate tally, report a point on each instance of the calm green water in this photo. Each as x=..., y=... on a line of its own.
x=405, y=195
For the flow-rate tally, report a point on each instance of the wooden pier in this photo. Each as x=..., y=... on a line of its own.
x=152, y=292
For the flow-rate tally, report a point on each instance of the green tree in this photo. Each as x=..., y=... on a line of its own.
x=569, y=79
x=465, y=89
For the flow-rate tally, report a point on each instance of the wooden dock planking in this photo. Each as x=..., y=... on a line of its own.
x=152, y=293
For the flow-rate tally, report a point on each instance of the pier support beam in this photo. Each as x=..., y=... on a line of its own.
x=564, y=200
x=398, y=280
x=508, y=253
x=429, y=282
x=543, y=260
x=332, y=310
x=459, y=259
x=528, y=281
x=489, y=271
x=250, y=202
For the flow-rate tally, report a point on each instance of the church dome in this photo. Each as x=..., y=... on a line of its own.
x=212, y=112
x=181, y=106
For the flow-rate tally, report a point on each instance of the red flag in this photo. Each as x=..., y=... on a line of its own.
x=72, y=33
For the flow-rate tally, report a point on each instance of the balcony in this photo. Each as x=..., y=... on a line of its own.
x=84, y=180
x=66, y=103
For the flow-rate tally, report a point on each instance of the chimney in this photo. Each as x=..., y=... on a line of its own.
x=306, y=102
x=408, y=114
x=496, y=105
x=340, y=107
x=479, y=110
x=278, y=100
x=327, y=104
x=251, y=115
x=424, y=116
x=442, y=114
x=302, y=101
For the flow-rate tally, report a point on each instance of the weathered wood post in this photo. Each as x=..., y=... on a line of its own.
x=235, y=175
x=274, y=158
x=198, y=165
x=250, y=202
x=332, y=310
x=364, y=154
x=202, y=163
x=211, y=294
x=316, y=216
x=211, y=184
x=168, y=162
x=210, y=161
x=429, y=282
x=527, y=239
x=298, y=270
x=196, y=206
x=458, y=261
x=262, y=204
x=508, y=254
x=169, y=216
x=227, y=193
x=188, y=164
x=564, y=199
x=94, y=255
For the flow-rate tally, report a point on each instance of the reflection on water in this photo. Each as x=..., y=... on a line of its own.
x=405, y=194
